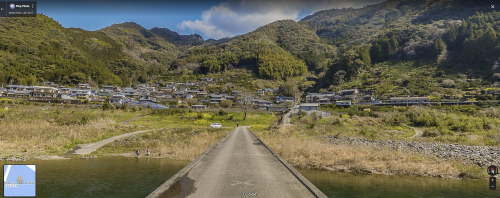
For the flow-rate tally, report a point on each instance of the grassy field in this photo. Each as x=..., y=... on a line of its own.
x=186, y=133
x=41, y=128
x=183, y=143
x=183, y=118
x=467, y=124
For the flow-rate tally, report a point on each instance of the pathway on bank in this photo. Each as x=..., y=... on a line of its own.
x=418, y=132
x=85, y=149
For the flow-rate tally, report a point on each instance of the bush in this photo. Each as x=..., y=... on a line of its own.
x=222, y=113
x=124, y=107
x=428, y=133
x=301, y=114
x=106, y=106
x=226, y=103
x=133, y=109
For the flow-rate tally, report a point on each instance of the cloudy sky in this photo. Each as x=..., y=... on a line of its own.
x=211, y=19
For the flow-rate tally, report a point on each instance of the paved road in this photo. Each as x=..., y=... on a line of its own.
x=85, y=149
x=239, y=164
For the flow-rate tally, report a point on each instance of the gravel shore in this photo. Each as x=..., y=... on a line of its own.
x=482, y=156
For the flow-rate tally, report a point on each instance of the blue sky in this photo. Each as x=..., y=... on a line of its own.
x=210, y=18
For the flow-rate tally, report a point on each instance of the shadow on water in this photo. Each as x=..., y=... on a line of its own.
x=101, y=177
x=182, y=188
x=335, y=184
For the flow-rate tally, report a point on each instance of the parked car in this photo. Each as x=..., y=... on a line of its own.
x=216, y=125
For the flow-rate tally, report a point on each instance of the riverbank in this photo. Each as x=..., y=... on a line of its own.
x=182, y=143
x=344, y=154
x=28, y=130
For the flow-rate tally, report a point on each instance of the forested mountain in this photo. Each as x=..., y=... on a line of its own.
x=450, y=36
x=40, y=49
x=292, y=44
x=181, y=41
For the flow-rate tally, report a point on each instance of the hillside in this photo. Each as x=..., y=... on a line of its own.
x=182, y=42
x=410, y=45
x=39, y=49
x=285, y=40
x=397, y=47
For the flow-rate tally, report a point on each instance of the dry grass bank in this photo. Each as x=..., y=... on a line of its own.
x=315, y=153
x=184, y=143
x=55, y=129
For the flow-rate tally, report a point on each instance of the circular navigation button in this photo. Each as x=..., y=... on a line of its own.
x=492, y=170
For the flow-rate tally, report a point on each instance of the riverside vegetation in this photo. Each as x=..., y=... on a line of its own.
x=186, y=134
x=374, y=141
x=31, y=129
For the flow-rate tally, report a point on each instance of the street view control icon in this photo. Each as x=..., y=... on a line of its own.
x=492, y=170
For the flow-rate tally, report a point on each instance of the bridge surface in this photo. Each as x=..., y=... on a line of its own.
x=240, y=165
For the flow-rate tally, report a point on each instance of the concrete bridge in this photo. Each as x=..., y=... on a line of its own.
x=238, y=165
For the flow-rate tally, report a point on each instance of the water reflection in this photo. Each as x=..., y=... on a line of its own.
x=102, y=177
x=335, y=184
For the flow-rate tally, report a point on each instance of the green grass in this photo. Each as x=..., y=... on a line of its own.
x=191, y=119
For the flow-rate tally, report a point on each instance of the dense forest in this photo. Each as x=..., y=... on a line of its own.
x=369, y=47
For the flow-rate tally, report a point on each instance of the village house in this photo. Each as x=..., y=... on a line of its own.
x=260, y=92
x=44, y=92
x=130, y=92
x=215, y=99
x=183, y=89
x=344, y=103
x=65, y=90
x=198, y=106
x=110, y=88
x=83, y=86
x=349, y=92
x=309, y=106
x=148, y=98
x=265, y=103
x=80, y=93
x=48, y=83
x=192, y=92
x=230, y=98
x=179, y=94
x=116, y=99
x=203, y=93
x=410, y=99
x=256, y=101
x=236, y=93
x=277, y=108
x=367, y=98
x=16, y=87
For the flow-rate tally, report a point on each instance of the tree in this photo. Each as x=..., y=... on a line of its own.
x=106, y=106
x=226, y=103
x=287, y=89
x=339, y=75
x=438, y=47
x=77, y=77
x=364, y=55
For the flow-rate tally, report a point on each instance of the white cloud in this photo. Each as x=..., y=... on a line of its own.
x=241, y=16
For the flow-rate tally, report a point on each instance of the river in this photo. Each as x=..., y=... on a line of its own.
x=137, y=177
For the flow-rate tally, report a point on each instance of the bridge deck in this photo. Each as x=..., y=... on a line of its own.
x=239, y=166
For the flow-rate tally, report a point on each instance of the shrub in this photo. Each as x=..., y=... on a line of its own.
x=106, y=106
x=222, y=113
x=124, y=107
x=428, y=133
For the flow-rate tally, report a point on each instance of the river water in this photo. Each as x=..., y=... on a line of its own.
x=137, y=177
